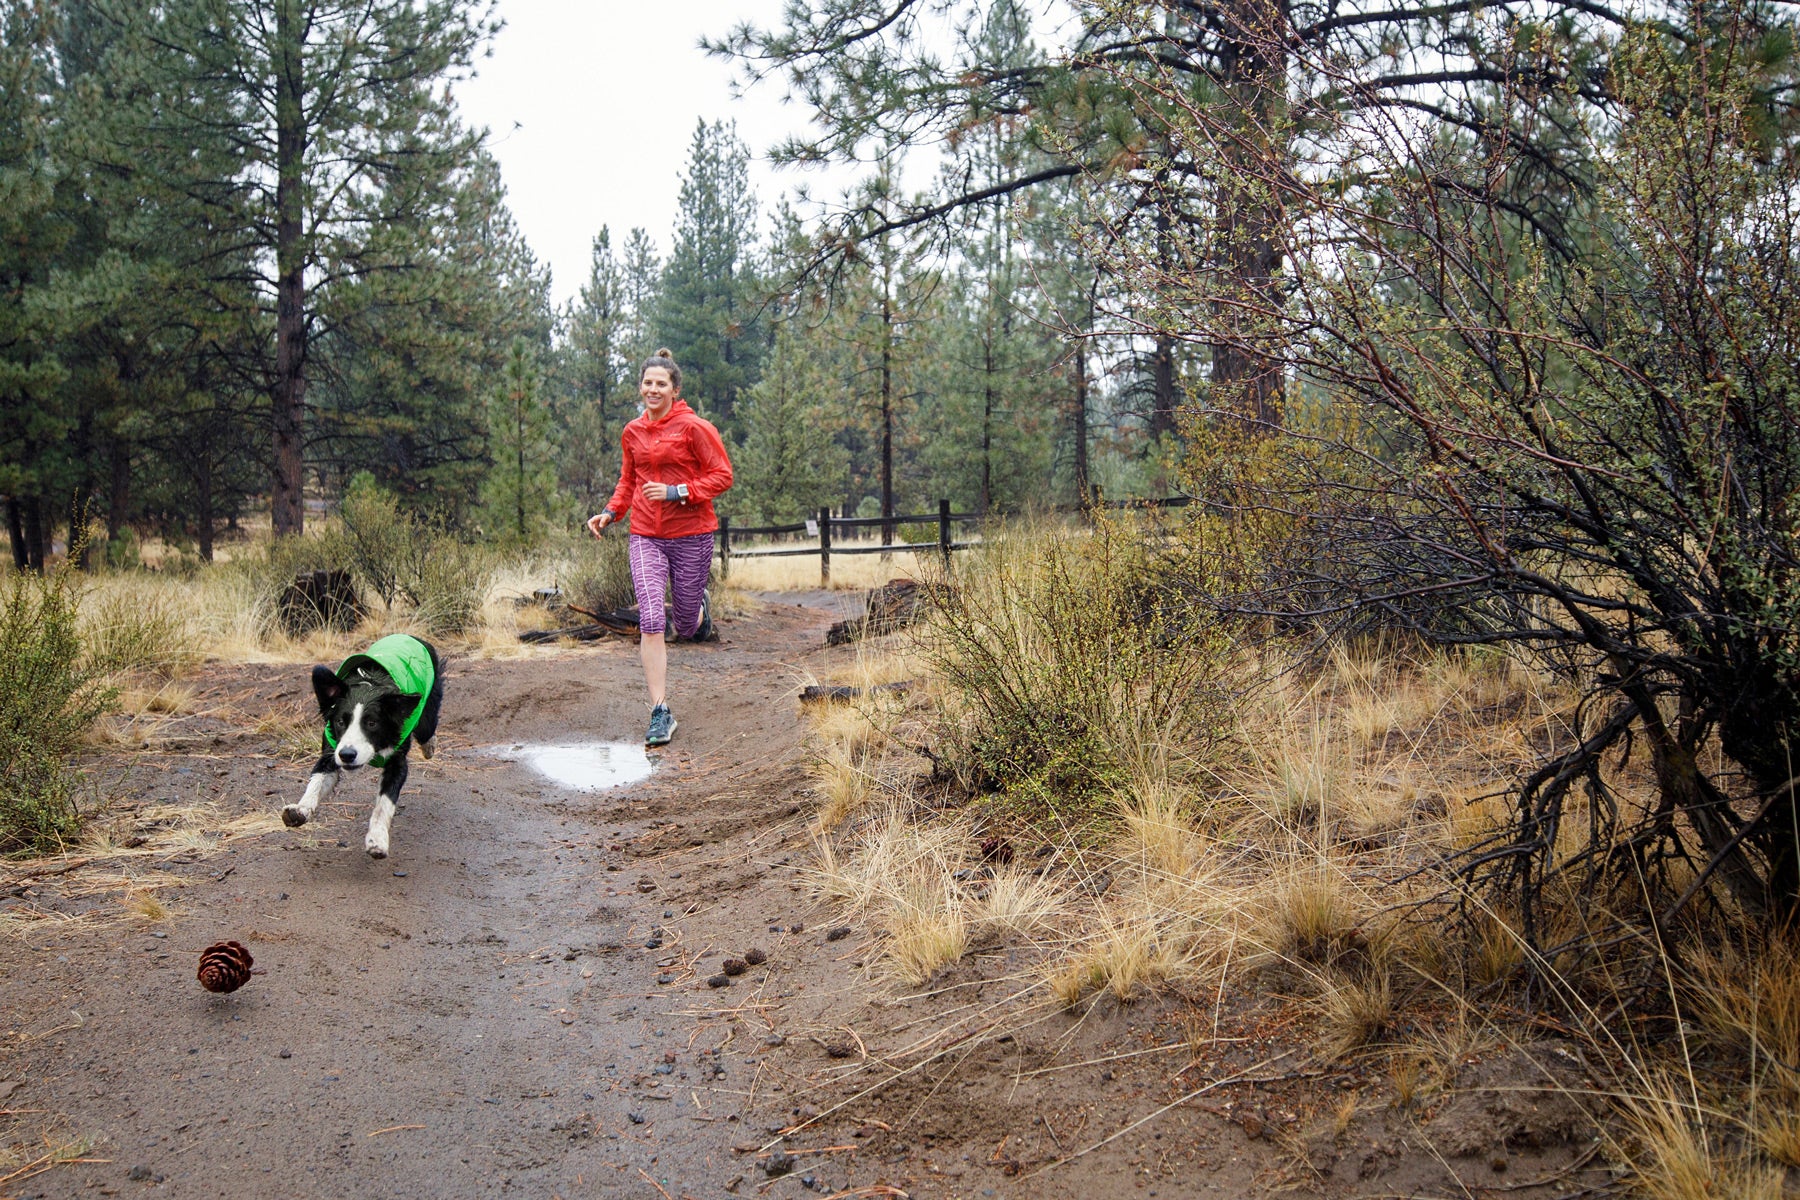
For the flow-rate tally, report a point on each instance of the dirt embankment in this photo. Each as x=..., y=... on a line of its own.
x=517, y=1002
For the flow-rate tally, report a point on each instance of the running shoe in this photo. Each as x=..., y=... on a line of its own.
x=662, y=726
x=704, y=633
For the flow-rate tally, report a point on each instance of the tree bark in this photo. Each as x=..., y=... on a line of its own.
x=15, y=531
x=1162, y=379
x=887, y=404
x=987, y=432
x=1254, y=68
x=203, y=488
x=1080, y=432
x=118, y=492
x=287, y=504
x=33, y=512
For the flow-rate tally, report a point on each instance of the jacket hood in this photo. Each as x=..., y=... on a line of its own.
x=678, y=409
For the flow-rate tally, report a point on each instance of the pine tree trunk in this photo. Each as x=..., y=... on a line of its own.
x=1080, y=432
x=33, y=507
x=1254, y=68
x=887, y=409
x=203, y=485
x=1162, y=379
x=987, y=439
x=82, y=499
x=287, y=504
x=15, y=531
x=118, y=493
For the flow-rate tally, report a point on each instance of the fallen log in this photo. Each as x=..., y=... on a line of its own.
x=819, y=693
x=894, y=605
x=581, y=633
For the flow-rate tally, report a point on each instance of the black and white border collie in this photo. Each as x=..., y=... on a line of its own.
x=365, y=714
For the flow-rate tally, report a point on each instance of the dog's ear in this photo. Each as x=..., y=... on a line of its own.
x=328, y=687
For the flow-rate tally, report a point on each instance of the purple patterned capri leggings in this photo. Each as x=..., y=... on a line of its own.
x=687, y=561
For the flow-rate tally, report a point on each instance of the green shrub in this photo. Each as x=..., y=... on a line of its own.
x=449, y=586
x=50, y=692
x=1066, y=687
x=601, y=577
x=383, y=545
x=280, y=604
x=124, y=551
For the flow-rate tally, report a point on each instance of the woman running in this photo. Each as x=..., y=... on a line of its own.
x=674, y=464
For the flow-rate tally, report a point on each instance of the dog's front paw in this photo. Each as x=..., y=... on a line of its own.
x=293, y=816
x=376, y=846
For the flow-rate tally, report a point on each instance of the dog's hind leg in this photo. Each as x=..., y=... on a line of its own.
x=393, y=778
x=426, y=731
x=324, y=778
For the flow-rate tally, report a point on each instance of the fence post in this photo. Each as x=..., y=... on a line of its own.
x=724, y=547
x=825, y=546
x=944, y=531
x=1095, y=498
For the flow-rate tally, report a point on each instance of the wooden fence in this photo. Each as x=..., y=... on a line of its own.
x=824, y=524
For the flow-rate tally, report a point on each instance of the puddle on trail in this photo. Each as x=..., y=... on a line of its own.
x=582, y=766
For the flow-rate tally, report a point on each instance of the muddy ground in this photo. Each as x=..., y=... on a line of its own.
x=516, y=1002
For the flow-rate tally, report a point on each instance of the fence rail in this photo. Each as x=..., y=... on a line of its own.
x=822, y=527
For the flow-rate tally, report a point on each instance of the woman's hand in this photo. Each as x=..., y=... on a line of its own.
x=598, y=522
x=658, y=491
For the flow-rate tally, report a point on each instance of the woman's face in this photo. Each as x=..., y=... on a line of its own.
x=657, y=390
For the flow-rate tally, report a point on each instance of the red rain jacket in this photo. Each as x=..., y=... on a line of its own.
x=683, y=447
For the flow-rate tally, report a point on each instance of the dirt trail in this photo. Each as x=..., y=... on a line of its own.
x=516, y=1001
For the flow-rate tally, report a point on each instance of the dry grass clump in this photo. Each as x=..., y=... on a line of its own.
x=1018, y=902
x=1159, y=830
x=1355, y=1011
x=852, y=742
x=1308, y=776
x=1125, y=959
x=157, y=830
x=146, y=905
x=900, y=879
x=1748, y=999
x=1679, y=1150
x=855, y=572
x=844, y=778
x=927, y=929
x=1778, y=1132
x=1308, y=915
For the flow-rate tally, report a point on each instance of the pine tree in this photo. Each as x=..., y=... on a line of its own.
x=788, y=462
x=641, y=283
x=519, y=495
x=343, y=131
x=34, y=228
x=709, y=306
x=878, y=307
x=997, y=358
x=593, y=390
x=405, y=367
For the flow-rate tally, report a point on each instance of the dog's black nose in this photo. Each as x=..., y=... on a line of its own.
x=347, y=756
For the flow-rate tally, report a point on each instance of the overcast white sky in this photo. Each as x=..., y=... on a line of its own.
x=605, y=94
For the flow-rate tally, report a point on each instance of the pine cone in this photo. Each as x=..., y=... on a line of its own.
x=224, y=967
